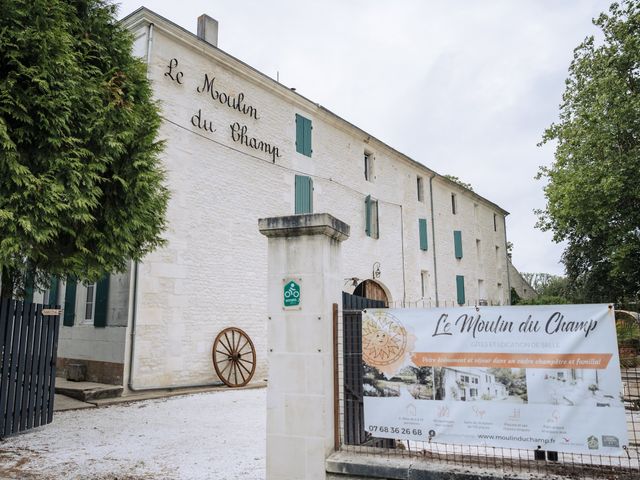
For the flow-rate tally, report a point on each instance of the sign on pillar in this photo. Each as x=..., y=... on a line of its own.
x=291, y=294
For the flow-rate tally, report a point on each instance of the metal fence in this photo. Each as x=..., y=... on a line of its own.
x=28, y=346
x=353, y=438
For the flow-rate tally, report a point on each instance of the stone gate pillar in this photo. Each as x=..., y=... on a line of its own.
x=304, y=281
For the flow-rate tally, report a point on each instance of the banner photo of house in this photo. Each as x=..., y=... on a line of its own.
x=520, y=377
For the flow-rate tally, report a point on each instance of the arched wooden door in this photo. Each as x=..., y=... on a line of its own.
x=371, y=290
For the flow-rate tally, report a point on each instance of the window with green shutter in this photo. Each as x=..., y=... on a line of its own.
x=460, y=289
x=457, y=243
x=303, y=194
x=422, y=228
x=53, y=291
x=371, y=217
x=303, y=135
x=101, y=302
x=69, y=303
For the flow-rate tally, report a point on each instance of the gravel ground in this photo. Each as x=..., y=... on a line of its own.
x=216, y=435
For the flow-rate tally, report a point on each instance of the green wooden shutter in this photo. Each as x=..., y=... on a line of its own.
x=53, y=291
x=422, y=227
x=367, y=215
x=28, y=287
x=460, y=289
x=303, y=194
x=102, y=301
x=299, y=134
x=307, y=137
x=303, y=135
x=457, y=242
x=69, y=302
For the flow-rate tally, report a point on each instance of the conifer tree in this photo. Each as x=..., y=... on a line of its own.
x=81, y=186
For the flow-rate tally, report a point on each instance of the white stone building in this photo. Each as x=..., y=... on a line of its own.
x=240, y=146
x=470, y=384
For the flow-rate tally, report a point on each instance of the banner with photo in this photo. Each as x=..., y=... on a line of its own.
x=516, y=376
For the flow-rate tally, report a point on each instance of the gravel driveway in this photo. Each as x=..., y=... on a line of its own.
x=216, y=435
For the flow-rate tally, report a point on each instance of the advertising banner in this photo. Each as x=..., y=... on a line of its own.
x=520, y=377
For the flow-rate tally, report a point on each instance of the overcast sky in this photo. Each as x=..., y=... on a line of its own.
x=465, y=87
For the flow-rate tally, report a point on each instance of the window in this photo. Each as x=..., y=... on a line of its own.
x=420, y=189
x=368, y=166
x=498, y=259
x=371, y=217
x=495, y=223
x=457, y=243
x=500, y=294
x=473, y=392
x=476, y=212
x=303, y=135
x=479, y=250
x=303, y=194
x=482, y=295
x=460, y=289
x=90, y=303
x=424, y=277
x=454, y=204
x=422, y=229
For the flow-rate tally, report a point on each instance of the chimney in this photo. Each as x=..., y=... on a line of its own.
x=208, y=29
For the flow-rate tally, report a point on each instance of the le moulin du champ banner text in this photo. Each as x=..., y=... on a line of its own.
x=521, y=377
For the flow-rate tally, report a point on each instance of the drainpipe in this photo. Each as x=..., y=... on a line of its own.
x=134, y=298
x=506, y=255
x=404, y=282
x=433, y=236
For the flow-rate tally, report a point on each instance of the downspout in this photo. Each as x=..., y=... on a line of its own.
x=506, y=255
x=404, y=282
x=433, y=236
x=134, y=299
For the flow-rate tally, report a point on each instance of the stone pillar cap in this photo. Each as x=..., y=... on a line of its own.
x=307, y=224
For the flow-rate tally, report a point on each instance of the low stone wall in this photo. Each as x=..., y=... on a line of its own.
x=353, y=466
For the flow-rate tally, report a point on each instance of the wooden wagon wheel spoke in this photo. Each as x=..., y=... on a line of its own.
x=245, y=368
x=227, y=345
x=228, y=352
x=240, y=371
x=237, y=347
x=229, y=363
x=234, y=357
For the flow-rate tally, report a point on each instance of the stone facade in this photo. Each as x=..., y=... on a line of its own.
x=231, y=158
x=520, y=285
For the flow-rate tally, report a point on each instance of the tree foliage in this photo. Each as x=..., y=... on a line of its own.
x=551, y=290
x=81, y=188
x=593, y=192
x=455, y=179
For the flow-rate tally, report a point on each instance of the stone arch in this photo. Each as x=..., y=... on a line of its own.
x=373, y=290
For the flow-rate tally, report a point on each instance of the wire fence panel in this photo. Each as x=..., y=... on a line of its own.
x=354, y=438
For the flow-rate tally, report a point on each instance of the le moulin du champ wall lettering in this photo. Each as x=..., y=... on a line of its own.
x=239, y=132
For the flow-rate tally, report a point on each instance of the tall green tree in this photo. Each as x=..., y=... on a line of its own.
x=81, y=186
x=593, y=189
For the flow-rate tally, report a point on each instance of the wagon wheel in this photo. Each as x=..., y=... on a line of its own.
x=234, y=357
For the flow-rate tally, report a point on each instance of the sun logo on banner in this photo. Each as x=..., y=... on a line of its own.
x=384, y=341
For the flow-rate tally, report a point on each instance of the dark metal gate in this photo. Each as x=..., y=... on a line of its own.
x=28, y=349
x=354, y=432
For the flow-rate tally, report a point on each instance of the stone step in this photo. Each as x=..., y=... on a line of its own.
x=87, y=391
